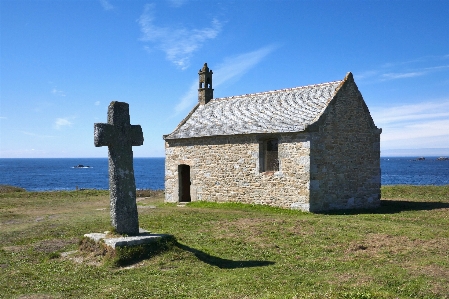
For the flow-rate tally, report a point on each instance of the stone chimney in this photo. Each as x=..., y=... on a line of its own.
x=205, y=90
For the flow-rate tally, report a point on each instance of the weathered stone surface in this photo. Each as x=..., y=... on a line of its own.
x=328, y=149
x=119, y=135
x=113, y=242
x=227, y=169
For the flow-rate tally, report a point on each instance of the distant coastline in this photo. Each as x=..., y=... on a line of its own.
x=420, y=152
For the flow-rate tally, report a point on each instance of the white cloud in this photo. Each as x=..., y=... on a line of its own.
x=406, y=69
x=437, y=68
x=389, y=76
x=418, y=130
x=3, y=117
x=188, y=99
x=97, y=103
x=57, y=92
x=236, y=66
x=62, y=122
x=179, y=44
x=413, y=112
x=36, y=135
x=106, y=5
x=231, y=68
x=421, y=125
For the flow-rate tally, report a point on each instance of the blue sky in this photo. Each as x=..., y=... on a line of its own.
x=62, y=63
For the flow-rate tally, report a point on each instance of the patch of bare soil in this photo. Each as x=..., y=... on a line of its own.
x=302, y=228
x=375, y=244
x=37, y=296
x=437, y=272
x=77, y=257
x=249, y=228
x=89, y=253
x=149, y=193
x=354, y=279
x=253, y=230
x=14, y=249
x=44, y=246
x=382, y=245
x=48, y=246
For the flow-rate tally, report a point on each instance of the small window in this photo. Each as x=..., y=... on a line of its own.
x=268, y=156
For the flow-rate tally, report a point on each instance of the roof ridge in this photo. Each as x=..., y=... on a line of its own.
x=276, y=90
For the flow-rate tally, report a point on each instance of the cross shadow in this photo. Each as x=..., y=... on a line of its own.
x=393, y=207
x=222, y=263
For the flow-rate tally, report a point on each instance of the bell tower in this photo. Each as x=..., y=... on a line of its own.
x=205, y=90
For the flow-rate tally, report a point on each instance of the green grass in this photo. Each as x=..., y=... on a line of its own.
x=230, y=250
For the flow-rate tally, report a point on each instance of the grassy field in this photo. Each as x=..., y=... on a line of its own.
x=229, y=250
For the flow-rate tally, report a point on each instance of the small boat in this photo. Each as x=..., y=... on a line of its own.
x=81, y=166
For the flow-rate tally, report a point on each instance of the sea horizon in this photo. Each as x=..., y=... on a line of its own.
x=73, y=158
x=47, y=174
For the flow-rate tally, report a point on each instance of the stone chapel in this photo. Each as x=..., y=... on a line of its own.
x=313, y=148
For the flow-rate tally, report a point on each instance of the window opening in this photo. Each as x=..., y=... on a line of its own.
x=269, y=157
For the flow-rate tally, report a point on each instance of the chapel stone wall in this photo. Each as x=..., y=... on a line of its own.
x=226, y=169
x=345, y=155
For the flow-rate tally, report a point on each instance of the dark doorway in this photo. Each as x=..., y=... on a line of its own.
x=184, y=183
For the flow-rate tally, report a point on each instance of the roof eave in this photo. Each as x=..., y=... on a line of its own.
x=182, y=122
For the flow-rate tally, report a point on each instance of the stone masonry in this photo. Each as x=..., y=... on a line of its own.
x=328, y=149
x=119, y=135
x=227, y=169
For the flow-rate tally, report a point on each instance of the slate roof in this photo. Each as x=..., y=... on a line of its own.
x=286, y=110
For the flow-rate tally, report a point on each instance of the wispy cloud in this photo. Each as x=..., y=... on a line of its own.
x=57, y=92
x=423, y=110
x=177, y=3
x=62, y=122
x=3, y=117
x=106, y=5
x=231, y=68
x=97, y=103
x=236, y=66
x=36, y=135
x=421, y=125
x=406, y=69
x=389, y=76
x=179, y=44
x=188, y=99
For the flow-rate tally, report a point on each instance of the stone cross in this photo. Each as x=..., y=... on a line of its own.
x=119, y=135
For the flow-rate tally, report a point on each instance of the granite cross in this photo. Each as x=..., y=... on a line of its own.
x=119, y=135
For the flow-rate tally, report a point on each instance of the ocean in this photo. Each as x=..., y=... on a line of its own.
x=61, y=174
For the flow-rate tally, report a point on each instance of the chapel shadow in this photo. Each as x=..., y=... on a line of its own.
x=393, y=207
x=223, y=263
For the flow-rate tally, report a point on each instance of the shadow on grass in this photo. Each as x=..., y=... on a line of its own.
x=222, y=263
x=396, y=206
x=393, y=207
